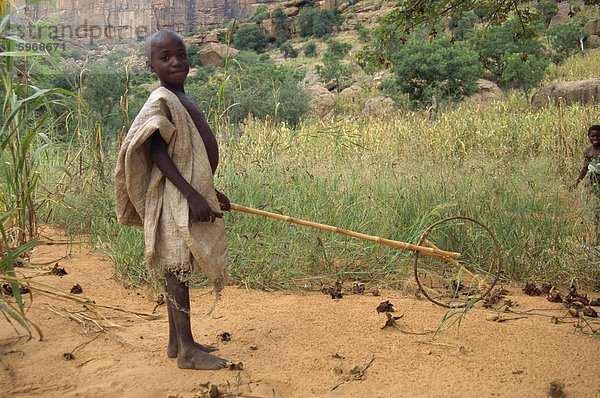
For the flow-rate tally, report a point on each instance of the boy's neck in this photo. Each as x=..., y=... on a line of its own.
x=175, y=88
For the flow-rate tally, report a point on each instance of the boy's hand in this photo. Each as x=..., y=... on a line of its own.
x=223, y=201
x=201, y=210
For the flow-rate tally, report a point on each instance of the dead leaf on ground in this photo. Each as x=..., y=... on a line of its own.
x=235, y=366
x=59, y=271
x=556, y=389
x=358, y=287
x=76, y=289
x=589, y=311
x=531, y=289
x=385, y=306
x=494, y=297
x=335, y=291
x=555, y=298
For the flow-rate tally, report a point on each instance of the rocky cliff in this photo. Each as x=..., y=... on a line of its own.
x=108, y=19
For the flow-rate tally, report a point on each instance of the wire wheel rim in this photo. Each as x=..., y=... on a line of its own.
x=422, y=288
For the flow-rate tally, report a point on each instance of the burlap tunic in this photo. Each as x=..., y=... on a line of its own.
x=144, y=197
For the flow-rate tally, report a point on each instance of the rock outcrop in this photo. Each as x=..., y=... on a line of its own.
x=213, y=53
x=378, y=106
x=582, y=91
x=488, y=92
x=112, y=19
x=322, y=102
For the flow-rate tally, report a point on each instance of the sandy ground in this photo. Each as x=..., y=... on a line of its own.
x=290, y=344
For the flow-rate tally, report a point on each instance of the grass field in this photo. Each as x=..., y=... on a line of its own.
x=505, y=165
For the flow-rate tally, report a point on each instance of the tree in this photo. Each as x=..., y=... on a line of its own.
x=313, y=22
x=310, y=49
x=332, y=68
x=288, y=51
x=497, y=43
x=442, y=69
x=524, y=70
x=463, y=26
x=547, y=9
x=260, y=14
x=250, y=37
x=564, y=40
x=397, y=25
x=280, y=19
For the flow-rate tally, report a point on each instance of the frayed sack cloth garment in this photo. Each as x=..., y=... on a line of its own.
x=144, y=197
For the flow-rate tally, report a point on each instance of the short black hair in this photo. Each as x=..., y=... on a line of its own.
x=595, y=127
x=159, y=36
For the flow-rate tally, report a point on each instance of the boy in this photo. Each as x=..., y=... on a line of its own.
x=591, y=168
x=591, y=163
x=164, y=182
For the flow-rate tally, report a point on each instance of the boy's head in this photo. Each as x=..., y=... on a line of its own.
x=594, y=136
x=595, y=127
x=167, y=57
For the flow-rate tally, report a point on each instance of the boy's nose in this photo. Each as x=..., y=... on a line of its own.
x=175, y=61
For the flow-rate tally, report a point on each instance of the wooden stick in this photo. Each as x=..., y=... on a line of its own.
x=427, y=251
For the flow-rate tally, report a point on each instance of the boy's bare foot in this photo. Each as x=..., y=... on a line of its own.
x=198, y=359
x=172, y=349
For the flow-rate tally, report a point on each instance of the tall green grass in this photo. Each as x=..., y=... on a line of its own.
x=505, y=165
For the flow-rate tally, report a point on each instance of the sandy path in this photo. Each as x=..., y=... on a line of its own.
x=287, y=343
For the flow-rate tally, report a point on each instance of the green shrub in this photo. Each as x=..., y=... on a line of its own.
x=547, y=9
x=495, y=44
x=259, y=89
x=192, y=51
x=280, y=19
x=462, y=26
x=310, y=49
x=524, y=70
x=250, y=37
x=442, y=69
x=279, y=41
x=564, y=40
x=261, y=13
x=313, y=22
x=288, y=50
x=332, y=68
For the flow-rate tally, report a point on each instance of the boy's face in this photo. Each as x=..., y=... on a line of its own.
x=168, y=59
x=594, y=137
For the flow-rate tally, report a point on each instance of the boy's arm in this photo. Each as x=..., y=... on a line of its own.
x=201, y=210
x=582, y=173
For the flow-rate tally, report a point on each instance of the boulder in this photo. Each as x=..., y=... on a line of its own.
x=488, y=92
x=322, y=102
x=294, y=3
x=592, y=41
x=211, y=37
x=213, y=53
x=270, y=29
x=343, y=7
x=350, y=93
x=291, y=11
x=592, y=27
x=582, y=91
x=562, y=16
x=378, y=106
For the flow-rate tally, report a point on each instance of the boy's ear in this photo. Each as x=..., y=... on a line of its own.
x=149, y=66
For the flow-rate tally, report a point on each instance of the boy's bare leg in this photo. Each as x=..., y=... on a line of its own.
x=172, y=347
x=190, y=355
